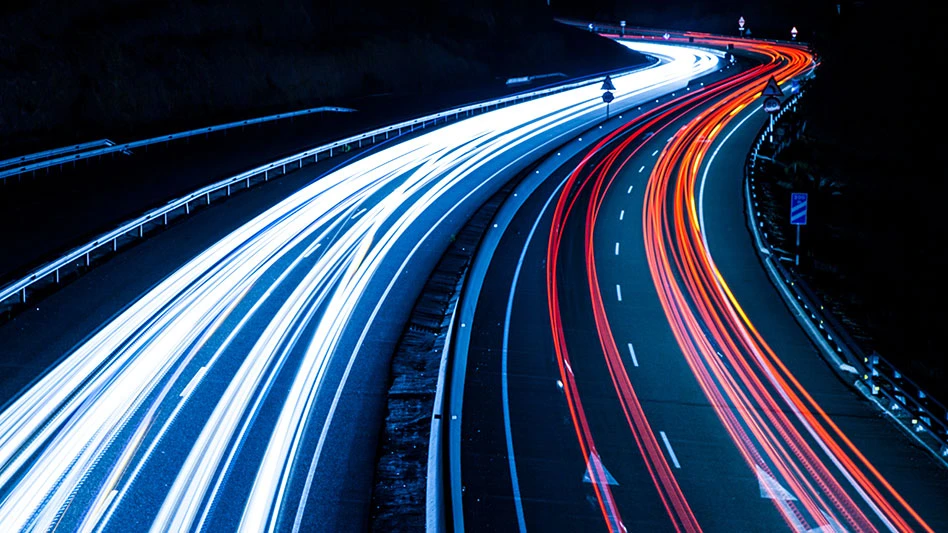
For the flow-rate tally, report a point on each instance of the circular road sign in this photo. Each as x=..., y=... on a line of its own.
x=771, y=104
x=607, y=97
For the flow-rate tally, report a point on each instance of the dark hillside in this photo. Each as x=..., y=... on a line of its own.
x=127, y=69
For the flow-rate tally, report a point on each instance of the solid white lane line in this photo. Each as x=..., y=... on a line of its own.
x=642, y=168
x=783, y=394
x=632, y=353
x=621, y=214
x=671, y=452
x=512, y=463
x=619, y=292
x=655, y=153
x=617, y=248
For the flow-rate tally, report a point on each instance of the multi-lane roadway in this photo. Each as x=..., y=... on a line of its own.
x=629, y=366
x=244, y=390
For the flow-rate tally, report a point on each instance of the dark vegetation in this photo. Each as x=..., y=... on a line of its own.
x=878, y=130
x=127, y=69
x=871, y=160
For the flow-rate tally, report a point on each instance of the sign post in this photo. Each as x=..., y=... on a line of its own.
x=798, y=216
x=771, y=94
x=607, y=96
x=622, y=25
x=740, y=25
x=793, y=33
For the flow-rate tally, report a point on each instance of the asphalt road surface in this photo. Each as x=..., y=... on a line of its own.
x=631, y=367
x=242, y=386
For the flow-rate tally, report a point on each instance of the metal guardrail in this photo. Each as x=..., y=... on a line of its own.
x=876, y=377
x=54, y=152
x=127, y=147
x=527, y=79
x=17, y=291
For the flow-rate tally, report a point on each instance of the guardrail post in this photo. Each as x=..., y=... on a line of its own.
x=187, y=208
x=166, y=219
x=57, y=275
x=87, y=258
x=23, y=295
x=228, y=190
x=141, y=230
x=284, y=169
x=115, y=244
x=208, y=198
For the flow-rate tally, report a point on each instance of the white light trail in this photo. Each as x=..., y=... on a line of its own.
x=118, y=393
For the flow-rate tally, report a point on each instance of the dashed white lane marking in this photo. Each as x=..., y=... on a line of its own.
x=671, y=452
x=641, y=169
x=617, y=248
x=629, y=191
x=619, y=292
x=655, y=153
x=632, y=353
x=621, y=214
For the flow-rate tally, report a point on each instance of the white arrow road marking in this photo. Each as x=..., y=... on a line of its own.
x=595, y=462
x=771, y=488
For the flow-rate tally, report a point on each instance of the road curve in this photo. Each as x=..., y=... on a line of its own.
x=214, y=400
x=647, y=374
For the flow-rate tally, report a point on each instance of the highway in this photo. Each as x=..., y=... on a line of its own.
x=630, y=367
x=243, y=391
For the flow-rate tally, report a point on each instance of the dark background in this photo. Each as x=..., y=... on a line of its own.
x=127, y=69
x=877, y=132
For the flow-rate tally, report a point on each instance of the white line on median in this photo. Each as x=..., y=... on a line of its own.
x=632, y=353
x=193, y=383
x=671, y=452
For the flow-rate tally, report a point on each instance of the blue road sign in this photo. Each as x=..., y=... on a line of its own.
x=798, y=208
